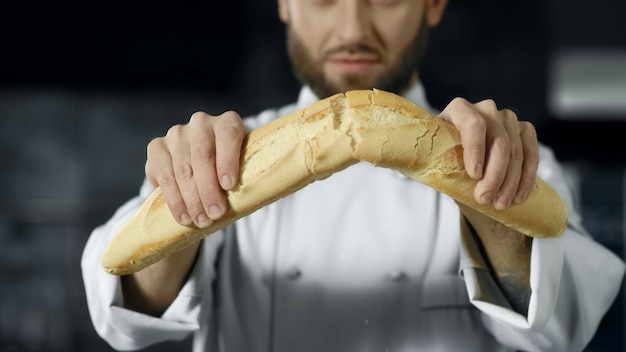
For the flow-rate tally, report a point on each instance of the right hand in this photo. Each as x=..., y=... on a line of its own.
x=195, y=163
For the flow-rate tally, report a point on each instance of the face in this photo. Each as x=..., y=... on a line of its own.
x=340, y=45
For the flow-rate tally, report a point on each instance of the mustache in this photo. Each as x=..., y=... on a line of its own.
x=358, y=48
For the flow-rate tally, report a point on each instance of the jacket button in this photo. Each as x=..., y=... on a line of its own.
x=293, y=273
x=397, y=275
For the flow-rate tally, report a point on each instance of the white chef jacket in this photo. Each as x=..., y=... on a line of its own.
x=365, y=260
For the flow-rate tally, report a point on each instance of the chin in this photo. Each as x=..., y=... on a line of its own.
x=355, y=84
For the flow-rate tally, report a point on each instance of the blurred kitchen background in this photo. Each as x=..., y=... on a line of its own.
x=85, y=85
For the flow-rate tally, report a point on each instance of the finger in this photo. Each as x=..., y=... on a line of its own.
x=148, y=171
x=506, y=193
x=203, y=151
x=472, y=129
x=160, y=173
x=228, y=139
x=528, y=136
x=178, y=144
x=498, y=149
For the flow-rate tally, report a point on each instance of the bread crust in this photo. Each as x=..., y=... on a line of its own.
x=312, y=143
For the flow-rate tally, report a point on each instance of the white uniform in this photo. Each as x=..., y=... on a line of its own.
x=366, y=260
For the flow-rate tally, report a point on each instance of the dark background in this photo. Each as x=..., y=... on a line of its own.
x=84, y=86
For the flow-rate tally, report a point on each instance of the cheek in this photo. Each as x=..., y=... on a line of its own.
x=312, y=37
x=396, y=37
x=313, y=25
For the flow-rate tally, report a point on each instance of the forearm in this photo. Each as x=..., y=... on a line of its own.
x=507, y=253
x=153, y=289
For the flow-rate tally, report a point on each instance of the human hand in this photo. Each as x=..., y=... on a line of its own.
x=499, y=151
x=195, y=163
x=502, y=153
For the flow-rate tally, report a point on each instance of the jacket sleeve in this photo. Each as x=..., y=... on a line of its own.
x=128, y=330
x=574, y=281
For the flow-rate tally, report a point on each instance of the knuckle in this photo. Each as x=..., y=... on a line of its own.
x=532, y=159
x=154, y=145
x=478, y=147
x=510, y=118
x=166, y=180
x=230, y=114
x=490, y=103
x=528, y=128
x=509, y=114
x=534, y=156
x=208, y=193
x=230, y=119
x=198, y=117
x=517, y=154
x=230, y=132
x=203, y=155
x=528, y=180
x=203, y=151
x=177, y=204
x=184, y=171
x=459, y=100
x=174, y=131
x=195, y=207
x=475, y=122
x=502, y=144
x=177, y=207
x=498, y=178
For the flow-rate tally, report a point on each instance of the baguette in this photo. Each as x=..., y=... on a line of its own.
x=312, y=143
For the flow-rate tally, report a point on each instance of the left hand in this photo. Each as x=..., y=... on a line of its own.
x=502, y=153
x=499, y=151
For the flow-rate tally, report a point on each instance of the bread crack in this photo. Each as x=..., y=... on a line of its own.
x=381, y=156
x=433, y=138
x=418, y=144
x=337, y=108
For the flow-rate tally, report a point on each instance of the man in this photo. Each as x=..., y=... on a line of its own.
x=367, y=259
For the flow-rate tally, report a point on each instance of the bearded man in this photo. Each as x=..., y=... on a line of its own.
x=367, y=260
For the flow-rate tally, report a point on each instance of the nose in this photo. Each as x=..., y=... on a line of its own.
x=353, y=22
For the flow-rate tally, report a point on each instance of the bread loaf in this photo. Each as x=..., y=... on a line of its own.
x=312, y=143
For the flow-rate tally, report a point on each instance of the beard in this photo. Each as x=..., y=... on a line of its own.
x=396, y=79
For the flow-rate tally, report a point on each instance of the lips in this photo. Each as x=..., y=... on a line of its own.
x=353, y=64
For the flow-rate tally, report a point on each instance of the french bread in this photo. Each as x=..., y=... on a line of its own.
x=312, y=143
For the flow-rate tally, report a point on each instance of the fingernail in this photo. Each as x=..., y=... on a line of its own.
x=227, y=182
x=185, y=219
x=487, y=197
x=203, y=220
x=215, y=212
x=502, y=202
